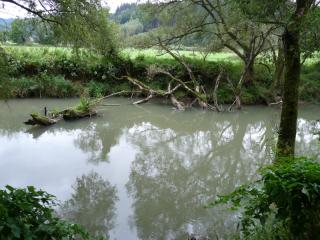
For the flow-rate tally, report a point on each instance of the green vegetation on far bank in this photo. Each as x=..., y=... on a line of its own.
x=38, y=71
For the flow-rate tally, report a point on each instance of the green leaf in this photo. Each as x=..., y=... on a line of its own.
x=15, y=230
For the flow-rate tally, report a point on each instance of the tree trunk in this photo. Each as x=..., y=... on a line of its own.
x=249, y=75
x=277, y=88
x=238, y=102
x=289, y=114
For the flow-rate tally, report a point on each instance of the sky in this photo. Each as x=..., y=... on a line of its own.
x=11, y=11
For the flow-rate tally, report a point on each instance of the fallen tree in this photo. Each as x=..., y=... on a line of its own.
x=151, y=93
x=191, y=86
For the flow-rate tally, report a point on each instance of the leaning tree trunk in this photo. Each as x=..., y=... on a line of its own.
x=249, y=60
x=249, y=76
x=245, y=79
x=289, y=114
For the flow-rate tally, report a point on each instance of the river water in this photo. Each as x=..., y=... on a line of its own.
x=144, y=172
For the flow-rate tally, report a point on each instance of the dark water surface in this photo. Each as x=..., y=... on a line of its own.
x=144, y=172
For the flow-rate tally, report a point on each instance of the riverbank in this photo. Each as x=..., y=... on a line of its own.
x=62, y=73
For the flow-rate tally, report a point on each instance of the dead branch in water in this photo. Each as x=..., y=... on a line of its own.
x=215, y=90
x=237, y=95
x=202, y=100
x=156, y=93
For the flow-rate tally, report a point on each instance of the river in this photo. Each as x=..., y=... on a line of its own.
x=144, y=172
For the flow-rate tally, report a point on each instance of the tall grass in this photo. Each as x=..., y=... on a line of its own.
x=154, y=54
x=40, y=55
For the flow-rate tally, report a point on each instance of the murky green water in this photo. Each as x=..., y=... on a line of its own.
x=144, y=172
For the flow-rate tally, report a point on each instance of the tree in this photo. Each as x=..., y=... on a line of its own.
x=223, y=22
x=291, y=17
x=44, y=33
x=82, y=23
x=292, y=51
x=125, y=12
x=310, y=35
x=3, y=36
x=21, y=30
x=92, y=204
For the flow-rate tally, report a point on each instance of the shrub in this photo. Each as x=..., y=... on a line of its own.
x=96, y=89
x=24, y=87
x=28, y=214
x=84, y=65
x=4, y=69
x=289, y=191
x=61, y=87
x=55, y=86
x=44, y=86
x=310, y=83
x=84, y=105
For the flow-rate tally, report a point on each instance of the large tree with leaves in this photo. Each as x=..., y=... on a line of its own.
x=293, y=18
x=81, y=23
x=292, y=55
x=222, y=25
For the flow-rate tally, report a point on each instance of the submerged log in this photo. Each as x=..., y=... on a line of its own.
x=72, y=114
x=40, y=120
x=177, y=104
x=86, y=108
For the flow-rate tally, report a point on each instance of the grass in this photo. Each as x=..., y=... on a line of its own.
x=48, y=53
x=38, y=54
x=196, y=55
x=36, y=50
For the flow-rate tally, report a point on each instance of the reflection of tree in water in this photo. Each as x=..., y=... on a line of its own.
x=177, y=172
x=96, y=141
x=100, y=136
x=179, y=169
x=92, y=204
x=308, y=138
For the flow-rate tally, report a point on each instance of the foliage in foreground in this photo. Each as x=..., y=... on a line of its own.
x=28, y=214
x=283, y=204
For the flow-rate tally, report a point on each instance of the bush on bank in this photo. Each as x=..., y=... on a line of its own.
x=100, y=76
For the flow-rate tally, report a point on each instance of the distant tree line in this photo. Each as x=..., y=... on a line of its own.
x=133, y=20
x=26, y=30
x=129, y=17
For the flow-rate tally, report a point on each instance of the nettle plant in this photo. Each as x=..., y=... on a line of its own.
x=286, y=197
x=29, y=214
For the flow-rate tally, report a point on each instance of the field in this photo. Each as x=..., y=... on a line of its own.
x=49, y=52
x=158, y=54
